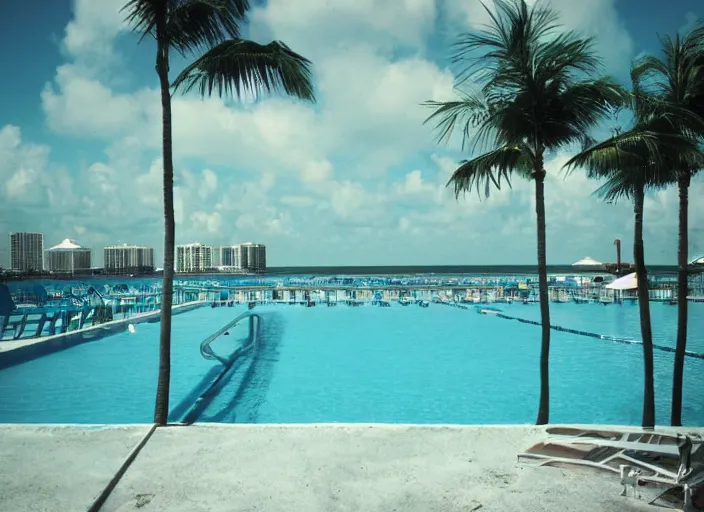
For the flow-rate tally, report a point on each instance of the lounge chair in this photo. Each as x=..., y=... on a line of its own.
x=640, y=458
x=632, y=435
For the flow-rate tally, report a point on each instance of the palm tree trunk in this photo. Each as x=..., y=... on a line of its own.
x=544, y=407
x=161, y=409
x=682, y=261
x=644, y=308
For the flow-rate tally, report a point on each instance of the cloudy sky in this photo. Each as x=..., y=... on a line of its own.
x=355, y=180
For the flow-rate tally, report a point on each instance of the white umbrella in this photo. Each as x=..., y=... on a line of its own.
x=698, y=261
x=629, y=282
x=587, y=262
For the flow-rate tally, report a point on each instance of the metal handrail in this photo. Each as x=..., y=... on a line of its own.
x=207, y=352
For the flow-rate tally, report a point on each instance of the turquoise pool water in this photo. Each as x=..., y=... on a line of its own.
x=366, y=364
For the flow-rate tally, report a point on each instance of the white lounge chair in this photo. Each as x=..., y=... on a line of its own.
x=659, y=458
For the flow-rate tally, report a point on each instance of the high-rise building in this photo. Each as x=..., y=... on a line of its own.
x=68, y=256
x=247, y=257
x=221, y=256
x=194, y=257
x=226, y=256
x=26, y=251
x=127, y=258
x=252, y=257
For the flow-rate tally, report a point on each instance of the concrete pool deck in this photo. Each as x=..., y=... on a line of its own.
x=215, y=467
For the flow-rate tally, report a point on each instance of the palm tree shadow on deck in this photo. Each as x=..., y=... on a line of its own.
x=248, y=380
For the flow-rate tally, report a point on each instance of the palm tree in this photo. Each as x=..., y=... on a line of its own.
x=641, y=158
x=678, y=79
x=533, y=98
x=227, y=64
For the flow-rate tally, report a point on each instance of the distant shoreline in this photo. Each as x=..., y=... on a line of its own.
x=379, y=270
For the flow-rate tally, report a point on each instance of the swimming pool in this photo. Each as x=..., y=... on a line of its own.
x=366, y=364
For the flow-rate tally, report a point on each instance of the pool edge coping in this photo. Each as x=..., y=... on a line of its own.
x=390, y=426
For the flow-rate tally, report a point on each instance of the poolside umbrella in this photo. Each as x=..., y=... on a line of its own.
x=587, y=262
x=629, y=282
x=698, y=261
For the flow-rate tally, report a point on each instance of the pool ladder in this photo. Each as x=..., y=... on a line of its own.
x=227, y=362
x=254, y=327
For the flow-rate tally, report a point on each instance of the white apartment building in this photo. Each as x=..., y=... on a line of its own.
x=247, y=257
x=26, y=251
x=194, y=257
x=68, y=256
x=225, y=256
x=123, y=258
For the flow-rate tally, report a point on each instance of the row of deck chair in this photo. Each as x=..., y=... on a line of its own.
x=33, y=325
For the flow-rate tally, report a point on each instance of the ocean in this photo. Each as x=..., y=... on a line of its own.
x=494, y=270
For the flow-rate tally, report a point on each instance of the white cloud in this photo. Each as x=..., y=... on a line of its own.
x=29, y=193
x=320, y=27
x=355, y=179
x=314, y=172
x=414, y=184
x=278, y=134
x=77, y=104
x=150, y=186
x=211, y=222
x=23, y=176
x=14, y=154
x=298, y=201
x=89, y=36
x=19, y=186
x=347, y=199
x=209, y=183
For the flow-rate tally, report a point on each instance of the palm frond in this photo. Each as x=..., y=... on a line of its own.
x=468, y=112
x=675, y=81
x=668, y=121
x=244, y=67
x=617, y=186
x=648, y=66
x=637, y=159
x=622, y=185
x=563, y=57
x=577, y=107
x=141, y=15
x=587, y=141
x=506, y=41
x=197, y=25
x=189, y=25
x=664, y=116
x=663, y=142
x=492, y=168
x=531, y=79
x=635, y=148
x=612, y=155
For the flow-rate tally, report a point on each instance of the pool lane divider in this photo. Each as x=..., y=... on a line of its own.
x=627, y=341
x=100, y=500
x=206, y=397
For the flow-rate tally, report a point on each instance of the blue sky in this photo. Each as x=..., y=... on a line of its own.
x=356, y=179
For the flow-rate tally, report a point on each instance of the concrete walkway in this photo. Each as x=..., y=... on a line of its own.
x=56, y=469
x=311, y=468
